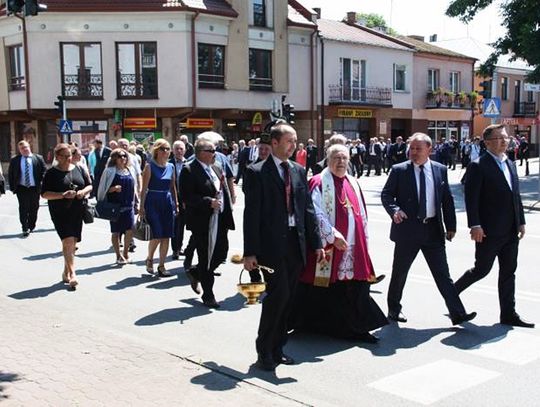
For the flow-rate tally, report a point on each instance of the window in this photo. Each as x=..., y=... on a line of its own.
x=137, y=70
x=455, y=82
x=259, y=13
x=353, y=79
x=504, y=88
x=400, y=78
x=16, y=66
x=530, y=96
x=211, y=66
x=260, y=69
x=81, y=70
x=433, y=79
x=517, y=91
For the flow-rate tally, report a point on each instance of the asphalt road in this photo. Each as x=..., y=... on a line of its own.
x=423, y=362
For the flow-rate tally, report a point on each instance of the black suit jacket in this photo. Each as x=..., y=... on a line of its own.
x=400, y=192
x=489, y=200
x=265, y=213
x=101, y=163
x=14, y=171
x=311, y=155
x=197, y=191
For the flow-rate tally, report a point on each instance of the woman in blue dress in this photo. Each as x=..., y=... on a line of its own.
x=117, y=184
x=159, y=204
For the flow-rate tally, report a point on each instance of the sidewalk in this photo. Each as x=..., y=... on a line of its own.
x=48, y=360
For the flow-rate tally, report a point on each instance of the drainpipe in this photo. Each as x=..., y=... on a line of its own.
x=312, y=84
x=320, y=143
x=193, y=64
x=26, y=66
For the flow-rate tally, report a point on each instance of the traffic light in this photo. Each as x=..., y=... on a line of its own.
x=14, y=6
x=32, y=7
x=288, y=113
x=59, y=104
x=486, y=89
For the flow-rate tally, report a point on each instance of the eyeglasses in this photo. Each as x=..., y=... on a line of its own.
x=210, y=151
x=64, y=155
x=499, y=138
x=164, y=149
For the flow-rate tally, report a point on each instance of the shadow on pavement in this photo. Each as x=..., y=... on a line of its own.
x=196, y=309
x=170, y=282
x=43, y=256
x=5, y=378
x=215, y=380
x=20, y=236
x=394, y=337
x=92, y=254
x=474, y=336
x=97, y=269
x=38, y=292
x=131, y=282
x=233, y=303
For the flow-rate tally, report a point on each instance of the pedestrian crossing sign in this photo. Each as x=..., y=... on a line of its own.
x=66, y=126
x=492, y=107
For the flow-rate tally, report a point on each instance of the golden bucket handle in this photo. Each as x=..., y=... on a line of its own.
x=252, y=291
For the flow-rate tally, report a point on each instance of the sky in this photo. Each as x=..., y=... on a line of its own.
x=418, y=17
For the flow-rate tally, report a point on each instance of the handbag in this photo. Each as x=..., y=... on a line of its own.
x=142, y=230
x=107, y=210
x=88, y=212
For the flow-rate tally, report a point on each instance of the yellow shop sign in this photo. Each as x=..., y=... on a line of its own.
x=355, y=113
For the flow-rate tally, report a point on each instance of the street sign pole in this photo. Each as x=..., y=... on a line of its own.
x=66, y=136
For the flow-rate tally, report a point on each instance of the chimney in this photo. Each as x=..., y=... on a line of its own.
x=433, y=38
x=317, y=11
x=351, y=17
x=417, y=37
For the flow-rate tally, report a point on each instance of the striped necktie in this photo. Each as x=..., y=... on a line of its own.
x=26, y=172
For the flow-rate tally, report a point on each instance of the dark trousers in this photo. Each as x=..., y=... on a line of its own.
x=356, y=167
x=280, y=291
x=506, y=249
x=205, y=273
x=178, y=238
x=28, y=206
x=373, y=161
x=433, y=248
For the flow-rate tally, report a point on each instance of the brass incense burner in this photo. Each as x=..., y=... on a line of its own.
x=252, y=291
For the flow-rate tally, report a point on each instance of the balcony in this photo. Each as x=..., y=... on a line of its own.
x=211, y=81
x=143, y=86
x=524, y=109
x=83, y=86
x=339, y=94
x=461, y=101
x=261, y=84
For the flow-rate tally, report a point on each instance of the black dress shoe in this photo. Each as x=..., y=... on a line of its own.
x=265, y=362
x=175, y=256
x=211, y=304
x=397, y=316
x=25, y=233
x=193, y=282
x=459, y=319
x=377, y=279
x=367, y=338
x=515, y=320
x=283, y=359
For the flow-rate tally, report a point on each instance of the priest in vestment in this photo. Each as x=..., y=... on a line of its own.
x=333, y=296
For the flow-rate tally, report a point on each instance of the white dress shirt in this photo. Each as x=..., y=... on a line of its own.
x=27, y=161
x=281, y=171
x=502, y=162
x=430, y=187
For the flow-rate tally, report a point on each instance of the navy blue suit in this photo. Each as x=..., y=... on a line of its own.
x=498, y=209
x=413, y=235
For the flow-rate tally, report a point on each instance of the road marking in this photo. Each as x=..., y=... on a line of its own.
x=432, y=382
x=515, y=347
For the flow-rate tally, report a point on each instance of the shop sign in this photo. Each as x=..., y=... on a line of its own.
x=257, y=119
x=140, y=123
x=355, y=113
x=193, y=123
x=518, y=121
x=382, y=127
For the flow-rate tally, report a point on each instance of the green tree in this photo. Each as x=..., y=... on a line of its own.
x=373, y=20
x=521, y=18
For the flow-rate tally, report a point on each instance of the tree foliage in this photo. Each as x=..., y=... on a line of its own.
x=373, y=20
x=521, y=18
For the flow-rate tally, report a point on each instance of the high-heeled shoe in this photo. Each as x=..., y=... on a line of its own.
x=73, y=283
x=65, y=277
x=162, y=272
x=150, y=266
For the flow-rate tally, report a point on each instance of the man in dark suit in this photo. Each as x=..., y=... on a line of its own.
x=178, y=160
x=398, y=151
x=495, y=216
x=418, y=199
x=243, y=158
x=311, y=155
x=374, y=156
x=279, y=223
x=204, y=193
x=25, y=174
x=102, y=156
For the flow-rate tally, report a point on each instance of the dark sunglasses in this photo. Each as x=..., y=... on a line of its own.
x=121, y=156
x=210, y=151
x=164, y=149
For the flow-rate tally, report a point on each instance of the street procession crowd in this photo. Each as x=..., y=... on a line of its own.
x=305, y=222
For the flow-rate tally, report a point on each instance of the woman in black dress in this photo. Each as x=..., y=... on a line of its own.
x=65, y=186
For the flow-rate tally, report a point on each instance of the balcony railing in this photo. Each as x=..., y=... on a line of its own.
x=129, y=87
x=211, y=81
x=362, y=96
x=524, y=109
x=264, y=84
x=17, y=83
x=83, y=87
x=449, y=101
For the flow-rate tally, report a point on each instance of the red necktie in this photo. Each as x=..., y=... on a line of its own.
x=287, y=181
